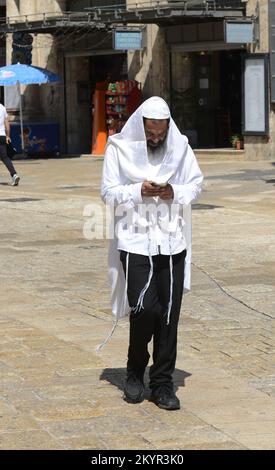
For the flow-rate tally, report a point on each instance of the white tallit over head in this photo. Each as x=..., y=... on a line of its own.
x=132, y=145
x=155, y=108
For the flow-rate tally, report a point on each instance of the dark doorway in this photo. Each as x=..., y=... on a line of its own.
x=219, y=106
x=111, y=67
x=206, y=102
x=229, y=112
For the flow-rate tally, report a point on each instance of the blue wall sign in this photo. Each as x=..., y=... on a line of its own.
x=127, y=40
x=239, y=32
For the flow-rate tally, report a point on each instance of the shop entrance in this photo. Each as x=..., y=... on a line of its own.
x=206, y=96
x=82, y=74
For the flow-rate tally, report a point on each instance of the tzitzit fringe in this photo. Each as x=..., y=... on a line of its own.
x=171, y=282
x=101, y=345
x=171, y=289
x=139, y=305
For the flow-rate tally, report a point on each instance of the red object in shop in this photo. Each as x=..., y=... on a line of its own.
x=99, y=131
x=122, y=99
x=112, y=108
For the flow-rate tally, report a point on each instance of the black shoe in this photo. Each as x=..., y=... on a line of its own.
x=164, y=397
x=134, y=388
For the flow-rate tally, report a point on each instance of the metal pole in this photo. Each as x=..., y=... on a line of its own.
x=21, y=116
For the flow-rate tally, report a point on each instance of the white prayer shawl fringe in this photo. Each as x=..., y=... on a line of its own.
x=101, y=345
x=115, y=322
x=171, y=290
x=171, y=281
x=139, y=305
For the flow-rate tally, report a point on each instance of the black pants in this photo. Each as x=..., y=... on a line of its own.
x=151, y=321
x=4, y=157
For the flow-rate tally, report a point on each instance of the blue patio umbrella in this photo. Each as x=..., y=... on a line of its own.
x=18, y=74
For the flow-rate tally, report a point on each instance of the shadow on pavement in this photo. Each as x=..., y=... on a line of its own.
x=117, y=377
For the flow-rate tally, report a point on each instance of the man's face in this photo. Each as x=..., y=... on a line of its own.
x=155, y=132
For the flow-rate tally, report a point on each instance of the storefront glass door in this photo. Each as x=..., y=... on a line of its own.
x=206, y=96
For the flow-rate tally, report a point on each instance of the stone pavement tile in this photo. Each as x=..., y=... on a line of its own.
x=265, y=348
x=260, y=408
x=253, y=434
x=44, y=343
x=250, y=361
x=257, y=442
x=226, y=445
x=20, y=396
x=25, y=363
x=200, y=387
x=32, y=378
x=84, y=426
x=9, y=358
x=6, y=371
x=5, y=407
x=67, y=392
x=77, y=375
x=83, y=443
x=169, y=420
x=134, y=422
x=28, y=440
x=20, y=333
x=17, y=422
x=73, y=427
x=59, y=410
x=204, y=438
x=10, y=381
x=213, y=445
x=130, y=442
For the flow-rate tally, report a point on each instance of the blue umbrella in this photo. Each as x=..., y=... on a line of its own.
x=18, y=74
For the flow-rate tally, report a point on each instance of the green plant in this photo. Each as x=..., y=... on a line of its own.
x=234, y=139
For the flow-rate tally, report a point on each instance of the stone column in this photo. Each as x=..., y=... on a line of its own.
x=151, y=66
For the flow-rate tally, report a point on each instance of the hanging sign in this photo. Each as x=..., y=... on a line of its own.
x=127, y=40
x=239, y=32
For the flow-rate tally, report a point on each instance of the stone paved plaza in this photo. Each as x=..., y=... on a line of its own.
x=56, y=392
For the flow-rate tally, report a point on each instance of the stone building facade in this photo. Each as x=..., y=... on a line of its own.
x=185, y=61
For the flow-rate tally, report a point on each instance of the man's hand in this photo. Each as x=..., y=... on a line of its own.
x=168, y=192
x=149, y=189
x=8, y=140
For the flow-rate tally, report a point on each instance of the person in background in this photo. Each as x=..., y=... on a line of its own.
x=4, y=140
x=150, y=177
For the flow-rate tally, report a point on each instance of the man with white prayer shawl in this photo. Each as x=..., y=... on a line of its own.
x=150, y=177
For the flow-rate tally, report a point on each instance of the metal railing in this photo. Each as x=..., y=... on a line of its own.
x=132, y=12
x=204, y=5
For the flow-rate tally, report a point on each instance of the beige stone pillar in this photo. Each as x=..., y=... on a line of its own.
x=260, y=147
x=150, y=67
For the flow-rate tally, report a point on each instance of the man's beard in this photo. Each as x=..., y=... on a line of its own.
x=155, y=146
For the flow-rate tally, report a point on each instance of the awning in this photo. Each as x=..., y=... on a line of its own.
x=105, y=19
